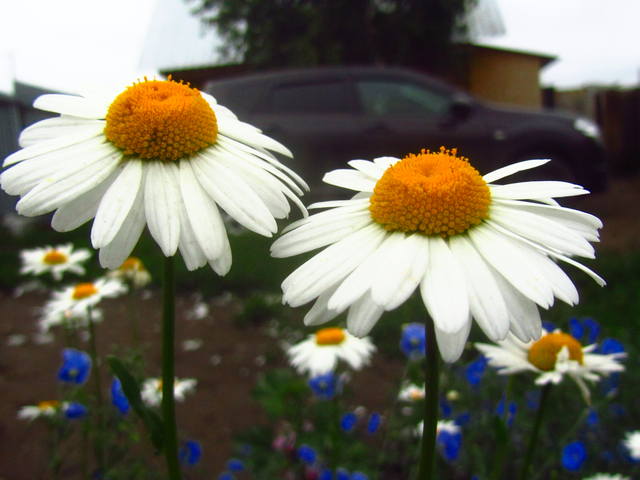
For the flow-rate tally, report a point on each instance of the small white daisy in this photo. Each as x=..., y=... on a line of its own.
x=151, y=391
x=132, y=271
x=632, y=443
x=411, y=393
x=320, y=352
x=158, y=154
x=74, y=301
x=46, y=408
x=55, y=260
x=553, y=356
x=448, y=426
x=56, y=312
x=607, y=476
x=474, y=249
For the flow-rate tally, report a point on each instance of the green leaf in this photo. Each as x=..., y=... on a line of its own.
x=152, y=421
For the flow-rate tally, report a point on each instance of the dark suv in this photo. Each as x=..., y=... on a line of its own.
x=327, y=116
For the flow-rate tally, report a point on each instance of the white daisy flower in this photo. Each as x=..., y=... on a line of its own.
x=151, y=391
x=74, y=301
x=553, y=356
x=55, y=260
x=632, y=443
x=411, y=393
x=607, y=476
x=57, y=312
x=160, y=154
x=320, y=352
x=448, y=426
x=132, y=271
x=46, y=408
x=430, y=221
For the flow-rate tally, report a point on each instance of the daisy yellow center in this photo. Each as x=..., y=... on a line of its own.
x=54, y=257
x=544, y=352
x=159, y=386
x=161, y=120
x=131, y=263
x=84, y=290
x=330, y=336
x=48, y=404
x=435, y=193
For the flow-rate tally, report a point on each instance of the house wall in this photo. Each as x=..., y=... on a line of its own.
x=505, y=77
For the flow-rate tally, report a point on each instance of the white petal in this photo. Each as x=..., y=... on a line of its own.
x=65, y=186
x=513, y=168
x=190, y=249
x=350, y=179
x=52, y=128
x=202, y=213
x=116, y=203
x=331, y=265
x=524, y=315
x=234, y=196
x=485, y=299
x=319, y=313
x=402, y=272
x=115, y=253
x=444, y=288
x=362, y=316
x=540, y=190
x=506, y=256
x=162, y=205
x=70, y=105
x=370, y=169
x=541, y=230
x=451, y=344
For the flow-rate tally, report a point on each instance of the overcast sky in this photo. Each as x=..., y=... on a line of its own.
x=64, y=44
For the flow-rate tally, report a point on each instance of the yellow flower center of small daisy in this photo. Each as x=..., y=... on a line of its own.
x=330, y=336
x=161, y=120
x=84, y=290
x=435, y=193
x=544, y=352
x=159, y=386
x=416, y=395
x=54, y=257
x=47, y=404
x=131, y=263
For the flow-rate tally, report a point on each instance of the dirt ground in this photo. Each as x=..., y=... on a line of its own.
x=226, y=364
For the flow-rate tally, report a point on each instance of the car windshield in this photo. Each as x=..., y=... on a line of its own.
x=384, y=97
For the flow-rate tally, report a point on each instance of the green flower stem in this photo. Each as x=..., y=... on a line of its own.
x=170, y=439
x=533, y=440
x=97, y=376
x=426, y=468
x=502, y=435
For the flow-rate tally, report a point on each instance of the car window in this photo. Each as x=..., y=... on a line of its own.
x=383, y=97
x=316, y=97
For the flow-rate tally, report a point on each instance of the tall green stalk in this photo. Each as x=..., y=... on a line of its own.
x=426, y=469
x=97, y=376
x=170, y=438
x=533, y=440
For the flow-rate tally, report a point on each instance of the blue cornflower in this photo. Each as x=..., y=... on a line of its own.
x=585, y=327
x=307, y=454
x=475, y=370
x=226, y=476
x=449, y=439
x=532, y=399
x=118, y=398
x=326, y=474
x=76, y=366
x=190, y=453
x=374, y=423
x=235, y=465
x=462, y=419
x=573, y=456
x=359, y=476
x=348, y=421
x=510, y=413
x=342, y=474
x=445, y=408
x=73, y=410
x=609, y=346
x=413, y=341
x=592, y=419
x=549, y=326
x=324, y=386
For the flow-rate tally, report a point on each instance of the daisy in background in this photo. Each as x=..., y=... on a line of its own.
x=448, y=438
x=632, y=443
x=151, y=391
x=473, y=248
x=55, y=314
x=77, y=299
x=320, y=352
x=132, y=271
x=54, y=260
x=52, y=408
x=411, y=393
x=606, y=476
x=552, y=357
x=158, y=154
